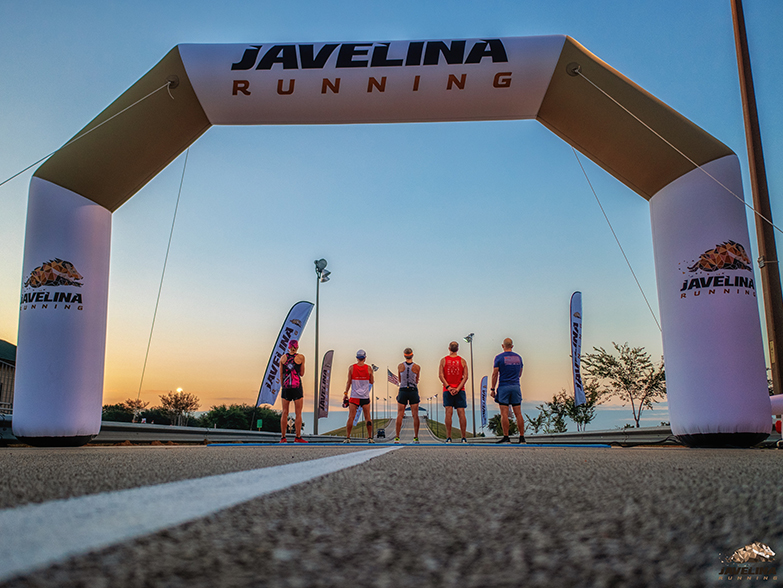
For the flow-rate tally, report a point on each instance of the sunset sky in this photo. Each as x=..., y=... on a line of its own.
x=431, y=231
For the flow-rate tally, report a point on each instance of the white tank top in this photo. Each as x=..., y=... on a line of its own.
x=408, y=376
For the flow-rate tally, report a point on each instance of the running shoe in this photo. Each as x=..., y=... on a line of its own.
x=464, y=440
x=522, y=440
x=504, y=440
x=370, y=440
x=282, y=440
x=300, y=440
x=347, y=440
x=396, y=440
x=448, y=439
x=415, y=440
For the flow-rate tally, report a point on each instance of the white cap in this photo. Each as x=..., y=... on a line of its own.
x=361, y=354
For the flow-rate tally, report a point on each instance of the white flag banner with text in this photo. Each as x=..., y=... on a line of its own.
x=576, y=347
x=326, y=378
x=292, y=328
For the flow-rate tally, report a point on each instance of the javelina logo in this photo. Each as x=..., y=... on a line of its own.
x=755, y=552
x=726, y=256
x=297, y=322
x=54, y=272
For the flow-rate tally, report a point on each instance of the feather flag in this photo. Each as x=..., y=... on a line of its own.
x=576, y=347
x=483, y=402
x=293, y=325
x=326, y=378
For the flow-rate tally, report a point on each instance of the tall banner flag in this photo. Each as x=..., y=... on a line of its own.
x=483, y=402
x=292, y=328
x=576, y=347
x=326, y=378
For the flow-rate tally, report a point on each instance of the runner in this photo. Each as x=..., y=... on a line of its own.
x=360, y=378
x=453, y=373
x=409, y=374
x=508, y=367
x=292, y=367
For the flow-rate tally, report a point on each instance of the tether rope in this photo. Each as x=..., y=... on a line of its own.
x=633, y=273
x=77, y=137
x=579, y=72
x=163, y=274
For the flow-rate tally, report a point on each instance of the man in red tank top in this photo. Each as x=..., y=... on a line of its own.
x=453, y=373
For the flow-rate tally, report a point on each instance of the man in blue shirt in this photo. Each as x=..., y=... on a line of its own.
x=506, y=374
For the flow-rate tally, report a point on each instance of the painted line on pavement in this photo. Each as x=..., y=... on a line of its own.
x=39, y=535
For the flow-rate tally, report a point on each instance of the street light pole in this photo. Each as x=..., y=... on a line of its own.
x=322, y=275
x=469, y=339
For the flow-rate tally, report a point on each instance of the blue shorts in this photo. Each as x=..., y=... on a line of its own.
x=509, y=394
x=459, y=400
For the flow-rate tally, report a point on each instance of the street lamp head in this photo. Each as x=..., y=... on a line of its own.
x=325, y=276
x=375, y=368
x=468, y=338
x=320, y=264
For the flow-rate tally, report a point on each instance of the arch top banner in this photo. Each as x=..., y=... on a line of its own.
x=550, y=78
x=372, y=82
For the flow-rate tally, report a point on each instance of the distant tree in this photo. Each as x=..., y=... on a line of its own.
x=631, y=376
x=584, y=414
x=136, y=407
x=116, y=412
x=496, y=426
x=179, y=406
x=239, y=416
x=155, y=416
x=536, y=424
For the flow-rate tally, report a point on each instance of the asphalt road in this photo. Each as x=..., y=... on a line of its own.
x=425, y=516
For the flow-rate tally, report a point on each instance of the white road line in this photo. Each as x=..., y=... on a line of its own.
x=39, y=535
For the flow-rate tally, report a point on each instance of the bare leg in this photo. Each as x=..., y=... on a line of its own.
x=400, y=415
x=284, y=417
x=463, y=422
x=504, y=418
x=449, y=414
x=415, y=413
x=298, y=405
x=367, y=420
x=351, y=416
x=520, y=420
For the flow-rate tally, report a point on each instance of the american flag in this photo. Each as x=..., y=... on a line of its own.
x=392, y=378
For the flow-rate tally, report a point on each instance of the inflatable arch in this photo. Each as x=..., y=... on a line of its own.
x=711, y=330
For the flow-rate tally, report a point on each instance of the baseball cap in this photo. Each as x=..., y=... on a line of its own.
x=293, y=344
x=361, y=354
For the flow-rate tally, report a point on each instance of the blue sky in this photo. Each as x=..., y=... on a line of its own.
x=432, y=231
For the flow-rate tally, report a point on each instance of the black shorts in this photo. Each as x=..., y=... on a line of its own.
x=292, y=393
x=408, y=395
x=359, y=401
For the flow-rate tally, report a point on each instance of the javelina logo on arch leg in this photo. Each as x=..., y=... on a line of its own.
x=54, y=272
x=728, y=255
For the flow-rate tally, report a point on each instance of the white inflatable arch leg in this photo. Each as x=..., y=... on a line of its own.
x=62, y=318
x=717, y=390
